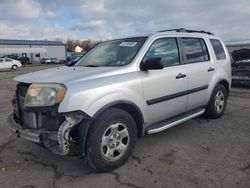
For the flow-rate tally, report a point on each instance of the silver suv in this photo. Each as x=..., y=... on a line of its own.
x=123, y=89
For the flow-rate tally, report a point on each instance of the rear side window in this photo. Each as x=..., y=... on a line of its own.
x=195, y=50
x=218, y=49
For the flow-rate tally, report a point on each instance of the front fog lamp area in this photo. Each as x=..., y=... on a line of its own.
x=41, y=95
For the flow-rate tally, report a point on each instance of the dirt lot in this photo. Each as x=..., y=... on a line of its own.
x=198, y=153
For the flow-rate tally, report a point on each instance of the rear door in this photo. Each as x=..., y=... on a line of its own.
x=200, y=70
x=164, y=90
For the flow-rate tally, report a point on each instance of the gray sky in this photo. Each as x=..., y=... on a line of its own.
x=105, y=19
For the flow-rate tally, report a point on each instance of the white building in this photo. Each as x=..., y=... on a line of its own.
x=34, y=49
x=78, y=49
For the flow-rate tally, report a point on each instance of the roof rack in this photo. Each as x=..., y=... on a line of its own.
x=183, y=30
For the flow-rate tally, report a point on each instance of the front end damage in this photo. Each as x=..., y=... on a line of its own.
x=62, y=133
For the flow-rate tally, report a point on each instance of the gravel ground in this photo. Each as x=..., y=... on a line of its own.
x=197, y=153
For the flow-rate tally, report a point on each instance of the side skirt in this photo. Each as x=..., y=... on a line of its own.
x=161, y=126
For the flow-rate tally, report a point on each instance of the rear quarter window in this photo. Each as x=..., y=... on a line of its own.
x=218, y=49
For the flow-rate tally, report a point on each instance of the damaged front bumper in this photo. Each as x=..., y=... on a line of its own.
x=59, y=142
x=34, y=135
x=59, y=132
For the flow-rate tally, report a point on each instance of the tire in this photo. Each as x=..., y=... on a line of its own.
x=14, y=67
x=216, y=108
x=115, y=131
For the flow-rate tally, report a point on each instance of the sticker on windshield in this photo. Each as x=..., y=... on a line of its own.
x=128, y=44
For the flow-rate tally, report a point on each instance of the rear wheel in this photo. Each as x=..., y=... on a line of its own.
x=111, y=140
x=14, y=67
x=217, y=104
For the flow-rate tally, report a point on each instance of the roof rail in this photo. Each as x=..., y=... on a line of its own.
x=183, y=30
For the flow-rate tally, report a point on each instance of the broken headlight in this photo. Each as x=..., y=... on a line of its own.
x=41, y=95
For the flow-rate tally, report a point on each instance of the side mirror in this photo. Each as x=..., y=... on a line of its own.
x=152, y=64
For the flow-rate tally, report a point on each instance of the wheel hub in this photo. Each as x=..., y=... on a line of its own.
x=115, y=141
x=219, y=101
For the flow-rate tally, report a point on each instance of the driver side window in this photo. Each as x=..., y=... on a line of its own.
x=166, y=49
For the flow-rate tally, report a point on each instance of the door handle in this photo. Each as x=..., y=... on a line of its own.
x=210, y=69
x=180, y=75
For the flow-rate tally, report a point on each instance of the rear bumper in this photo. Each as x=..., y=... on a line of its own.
x=34, y=135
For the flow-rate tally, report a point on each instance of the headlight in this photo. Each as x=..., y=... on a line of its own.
x=40, y=95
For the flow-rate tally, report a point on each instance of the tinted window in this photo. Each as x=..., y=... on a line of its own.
x=218, y=49
x=1, y=60
x=195, y=50
x=166, y=49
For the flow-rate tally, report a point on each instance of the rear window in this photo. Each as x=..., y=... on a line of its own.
x=195, y=50
x=218, y=49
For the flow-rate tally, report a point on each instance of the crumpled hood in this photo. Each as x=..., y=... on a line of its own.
x=65, y=74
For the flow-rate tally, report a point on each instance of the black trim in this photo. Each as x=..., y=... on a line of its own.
x=175, y=95
x=197, y=89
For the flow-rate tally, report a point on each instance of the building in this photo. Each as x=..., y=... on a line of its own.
x=34, y=49
x=237, y=45
x=78, y=49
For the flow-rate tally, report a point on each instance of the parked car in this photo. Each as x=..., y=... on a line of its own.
x=241, y=67
x=49, y=60
x=11, y=56
x=23, y=60
x=120, y=90
x=7, y=63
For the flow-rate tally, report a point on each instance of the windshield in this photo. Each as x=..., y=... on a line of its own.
x=112, y=53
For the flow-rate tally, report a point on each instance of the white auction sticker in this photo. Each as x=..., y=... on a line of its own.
x=128, y=44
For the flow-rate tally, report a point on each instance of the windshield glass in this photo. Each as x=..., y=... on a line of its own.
x=112, y=53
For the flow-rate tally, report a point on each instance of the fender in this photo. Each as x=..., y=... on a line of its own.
x=114, y=103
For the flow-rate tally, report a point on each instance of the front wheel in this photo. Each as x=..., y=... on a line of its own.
x=111, y=140
x=217, y=104
x=14, y=67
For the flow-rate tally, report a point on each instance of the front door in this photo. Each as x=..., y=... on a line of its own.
x=165, y=90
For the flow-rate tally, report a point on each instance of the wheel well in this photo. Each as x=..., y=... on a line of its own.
x=225, y=83
x=135, y=113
